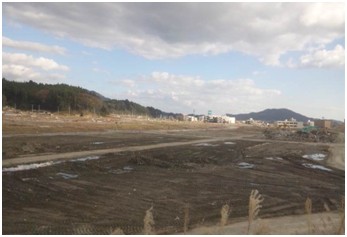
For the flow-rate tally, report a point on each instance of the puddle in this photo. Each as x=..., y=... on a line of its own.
x=257, y=146
x=312, y=166
x=28, y=179
x=229, y=143
x=45, y=164
x=245, y=165
x=314, y=156
x=128, y=168
x=118, y=171
x=30, y=166
x=206, y=144
x=125, y=169
x=274, y=158
x=67, y=176
x=97, y=143
x=86, y=158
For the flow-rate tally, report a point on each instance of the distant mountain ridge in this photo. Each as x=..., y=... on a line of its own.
x=270, y=115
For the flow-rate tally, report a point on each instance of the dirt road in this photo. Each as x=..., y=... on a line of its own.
x=71, y=155
x=336, y=159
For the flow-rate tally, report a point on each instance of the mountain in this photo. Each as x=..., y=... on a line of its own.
x=61, y=97
x=271, y=115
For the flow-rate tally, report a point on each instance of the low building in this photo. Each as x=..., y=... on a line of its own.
x=322, y=123
x=292, y=123
x=227, y=119
x=309, y=123
x=249, y=121
x=192, y=118
x=201, y=118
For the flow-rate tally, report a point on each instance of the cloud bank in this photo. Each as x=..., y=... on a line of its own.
x=170, y=30
x=32, y=46
x=182, y=93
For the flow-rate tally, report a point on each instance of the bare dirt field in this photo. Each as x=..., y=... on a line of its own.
x=125, y=171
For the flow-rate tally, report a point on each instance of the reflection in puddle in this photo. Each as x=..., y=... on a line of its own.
x=206, y=144
x=312, y=166
x=45, y=164
x=274, y=158
x=67, y=176
x=86, y=158
x=30, y=166
x=245, y=165
x=314, y=156
x=125, y=169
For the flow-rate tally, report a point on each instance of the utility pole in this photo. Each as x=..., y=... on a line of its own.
x=32, y=108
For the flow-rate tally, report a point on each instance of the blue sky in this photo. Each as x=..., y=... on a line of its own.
x=185, y=57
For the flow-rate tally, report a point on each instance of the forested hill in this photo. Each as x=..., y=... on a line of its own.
x=62, y=97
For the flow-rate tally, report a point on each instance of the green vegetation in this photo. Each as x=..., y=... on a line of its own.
x=64, y=98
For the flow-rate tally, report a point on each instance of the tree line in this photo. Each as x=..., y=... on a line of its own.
x=61, y=97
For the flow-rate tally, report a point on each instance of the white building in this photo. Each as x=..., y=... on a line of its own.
x=192, y=118
x=227, y=119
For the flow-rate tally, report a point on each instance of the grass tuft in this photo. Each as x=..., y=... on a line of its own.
x=148, y=222
x=186, y=218
x=116, y=231
x=225, y=212
x=341, y=229
x=308, y=210
x=254, y=207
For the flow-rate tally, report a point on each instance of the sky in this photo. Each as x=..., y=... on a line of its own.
x=185, y=57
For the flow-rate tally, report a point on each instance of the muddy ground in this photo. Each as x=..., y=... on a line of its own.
x=98, y=194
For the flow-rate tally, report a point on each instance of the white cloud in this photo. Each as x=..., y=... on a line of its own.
x=32, y=46
x=18, y=71
x=29, y=61
x=180, y=93
x=21, y=73
x=22, y=67
x=168, y=30
x=323, y=15
x=324, y=58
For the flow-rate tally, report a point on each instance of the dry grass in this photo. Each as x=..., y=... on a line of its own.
x=341, y=229
x=148, y=222
x=117, y=231
x=186, y=218
x=225, y=212
x=254, y=207
x=326, y=224
x=262, y=228
x=308, y=210
x=26, y=123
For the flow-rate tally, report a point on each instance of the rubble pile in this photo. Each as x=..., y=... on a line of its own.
x=316, y=135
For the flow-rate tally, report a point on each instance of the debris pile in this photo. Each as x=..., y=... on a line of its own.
x=313, y=135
